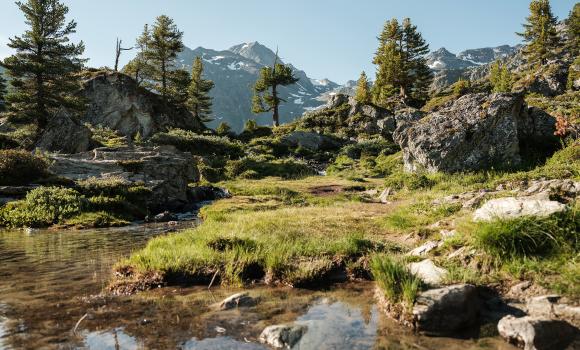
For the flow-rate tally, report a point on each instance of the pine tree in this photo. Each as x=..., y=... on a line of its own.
x=139, y=67
x=178, y=82
x=417, y=75
x=540, y=33
x=401, y=64
x=161, y=45
x=3, y=91
x=224, y=129
x=266, y=97
x=573, y=23
x=363, y=94
x=500, y=77
x=45, y=66
x=199, y=101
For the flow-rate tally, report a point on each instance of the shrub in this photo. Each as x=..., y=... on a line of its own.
x=260, y=167
x=20, y=167
x=395, y=280
x=529, y=236
x=461, y=87
x=107, y=137
x=42, y=207
x=201, y=145
x=96, y=220
x=224, y=129
x=372, y=147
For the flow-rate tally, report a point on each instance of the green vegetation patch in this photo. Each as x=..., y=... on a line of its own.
x=20, y=167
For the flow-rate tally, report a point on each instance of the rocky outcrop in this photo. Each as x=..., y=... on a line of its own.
x=511, y=207
x=537, y=333
x=282, y=336
x=65, y=134
x=165, y=170
x=478, y=131
x=446, y=310
x=549, y=80
x=344, y=115
x=549, y=306
x=117, y=102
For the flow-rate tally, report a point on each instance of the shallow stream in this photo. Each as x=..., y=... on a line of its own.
x=50, y=298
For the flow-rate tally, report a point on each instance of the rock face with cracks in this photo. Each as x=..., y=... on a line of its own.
x=117, y=102
x=65, y=134
x=478, y=131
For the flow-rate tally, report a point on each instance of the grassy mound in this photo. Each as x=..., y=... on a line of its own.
x=20, y=168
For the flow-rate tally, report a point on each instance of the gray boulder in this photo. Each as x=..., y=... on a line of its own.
x=478, y=131
x=511, y=207
x=282, y=336
x=446, y=310
x=164, y=170
x=117, y=102
x=550, y=80
x=65, y=134
x=428, y=272
x=537, y=333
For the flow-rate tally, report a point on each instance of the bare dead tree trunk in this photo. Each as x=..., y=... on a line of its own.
x=118, y=51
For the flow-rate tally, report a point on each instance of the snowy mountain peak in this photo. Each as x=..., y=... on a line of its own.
x=255, y=52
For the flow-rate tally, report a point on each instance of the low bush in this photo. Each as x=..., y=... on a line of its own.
x=107, y=137
x=43, y=206
x=260, y=167
x=20, y=167
x=99, y=219
x=369, y=148
x=409, y=181
x=200, y=145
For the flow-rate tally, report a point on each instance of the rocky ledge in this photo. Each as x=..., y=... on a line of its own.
x=166, y=171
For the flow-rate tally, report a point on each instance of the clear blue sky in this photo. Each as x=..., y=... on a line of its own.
x=326, y=38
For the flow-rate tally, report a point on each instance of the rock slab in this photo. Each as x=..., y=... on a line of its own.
x=512, y=207
x=446, y=310
x=537, y=333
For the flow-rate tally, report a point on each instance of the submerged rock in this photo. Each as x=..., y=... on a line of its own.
x=237, y=300
x=282, y=336
x=537, y=333
x=446, y=310
x=511, y=207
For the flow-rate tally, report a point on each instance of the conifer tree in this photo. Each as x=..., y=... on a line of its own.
x=45, y=66
x=363, y=94
x=139, y=67
x=266, y=98
x=573, y=23
x=540, y=33
x=199, y=101
x=500, y=78
x=402, y=67
x=161, y=45
x=224, y=129
x=3, y=91
x=178, y=82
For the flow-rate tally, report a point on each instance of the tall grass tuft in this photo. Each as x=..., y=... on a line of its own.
x=395, y=280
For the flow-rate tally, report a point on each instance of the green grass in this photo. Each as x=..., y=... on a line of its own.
x=99, y=219
x=395, y=280
x=529, y=236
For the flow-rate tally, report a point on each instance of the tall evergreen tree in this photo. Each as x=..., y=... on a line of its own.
x=139, y=67
x=573, y=23
x=3, y=91
x=417, y=75
x=178, y=82
x=44, y=67
x=199, y=101
x=363, y=93
x=161, y=45
x=401, y=64
x=540, y=33
x=266, y=98
x=500, y=78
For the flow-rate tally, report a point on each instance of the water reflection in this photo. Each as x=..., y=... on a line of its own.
x=49, y=281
